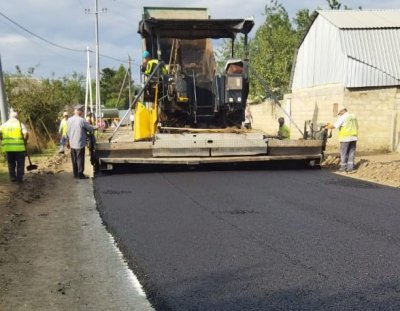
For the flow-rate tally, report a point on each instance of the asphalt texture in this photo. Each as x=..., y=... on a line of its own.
x=257, y=239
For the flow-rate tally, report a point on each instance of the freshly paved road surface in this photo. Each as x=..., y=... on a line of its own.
x=257, y=240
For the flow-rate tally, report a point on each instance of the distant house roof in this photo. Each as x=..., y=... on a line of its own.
x=352, y=19
x=355, y=48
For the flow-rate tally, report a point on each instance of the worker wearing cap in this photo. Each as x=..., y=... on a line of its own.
x=347, y=125
x=77, y=128
x=62, y=130
x=284, y=130
x=13, y=135
x=149, y=64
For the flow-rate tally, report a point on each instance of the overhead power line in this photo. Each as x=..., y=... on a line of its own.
x=55, y=44
x=40, y=37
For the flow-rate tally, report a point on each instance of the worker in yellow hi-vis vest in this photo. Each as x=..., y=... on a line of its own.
x=149, y=64
x=62, y=130
x=284, y=130
x=347, y=125
x=13, y=135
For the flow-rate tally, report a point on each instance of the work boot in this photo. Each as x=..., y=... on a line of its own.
x=83, y=176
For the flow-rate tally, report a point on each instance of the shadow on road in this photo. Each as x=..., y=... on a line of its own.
x=155, y=168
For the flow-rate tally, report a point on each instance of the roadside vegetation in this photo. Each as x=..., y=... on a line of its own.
x=3, y=170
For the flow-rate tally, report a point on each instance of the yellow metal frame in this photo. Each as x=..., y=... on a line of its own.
x=146, y=119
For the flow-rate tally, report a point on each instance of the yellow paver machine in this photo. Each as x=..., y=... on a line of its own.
x=187, y=112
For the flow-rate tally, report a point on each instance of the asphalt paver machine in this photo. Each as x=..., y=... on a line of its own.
x=187, y=111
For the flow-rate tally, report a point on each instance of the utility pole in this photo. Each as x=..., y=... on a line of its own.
x=3, y=98
x=88, y=95
x=98, y=102
x=130, y=79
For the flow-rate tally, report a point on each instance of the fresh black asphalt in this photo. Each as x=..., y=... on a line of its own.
x=257, y=239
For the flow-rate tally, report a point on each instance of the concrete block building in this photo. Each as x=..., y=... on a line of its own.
x=351, y=58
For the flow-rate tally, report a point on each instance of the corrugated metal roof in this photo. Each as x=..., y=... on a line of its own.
x=319, y=60
x=347, y=51
x=359, y=74
x=366, y=19
x=375, y=48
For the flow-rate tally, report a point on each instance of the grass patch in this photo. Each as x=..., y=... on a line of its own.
x=46, y=153
x=3, y=168
x=34, y=157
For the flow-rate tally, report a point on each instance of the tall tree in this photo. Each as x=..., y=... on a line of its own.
x=111, y=83
x=334, y=4
x=272, y=50
x=42, y=100
x=302, y=21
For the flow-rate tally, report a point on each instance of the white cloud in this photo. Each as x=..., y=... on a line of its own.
x=11, y=39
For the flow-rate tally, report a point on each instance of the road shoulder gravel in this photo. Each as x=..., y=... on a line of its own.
x=55, y=253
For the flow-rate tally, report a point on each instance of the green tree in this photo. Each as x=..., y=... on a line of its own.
x=334, y=4
x=111, y=83
x=302, y=21
x=74, y=92
x=272, y=50
x=41, y=101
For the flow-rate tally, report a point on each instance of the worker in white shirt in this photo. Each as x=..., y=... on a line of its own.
x=347, y=125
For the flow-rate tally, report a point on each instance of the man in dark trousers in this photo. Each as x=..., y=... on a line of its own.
x=77, y=128
x=347, y=124
x=13, y=135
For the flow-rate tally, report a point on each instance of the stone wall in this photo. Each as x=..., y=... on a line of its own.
x=377, y=109
x=396, y=123
x=265, y=117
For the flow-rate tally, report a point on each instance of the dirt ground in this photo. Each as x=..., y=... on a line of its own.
x=50, y=258
x=379, y=168
x=55, y=253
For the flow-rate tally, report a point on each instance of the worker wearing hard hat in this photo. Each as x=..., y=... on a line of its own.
x=284, y=130
x=13, y=135
x=347, y=125
x=149, y=64
x=62, y=130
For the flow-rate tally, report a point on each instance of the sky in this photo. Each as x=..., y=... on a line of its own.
x=65, y=23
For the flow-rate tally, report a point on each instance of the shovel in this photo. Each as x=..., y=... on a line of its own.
x=31, y=166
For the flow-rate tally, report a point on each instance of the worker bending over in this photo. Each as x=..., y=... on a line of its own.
x=13, y=135
x=284, y=130
x=347, y=125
